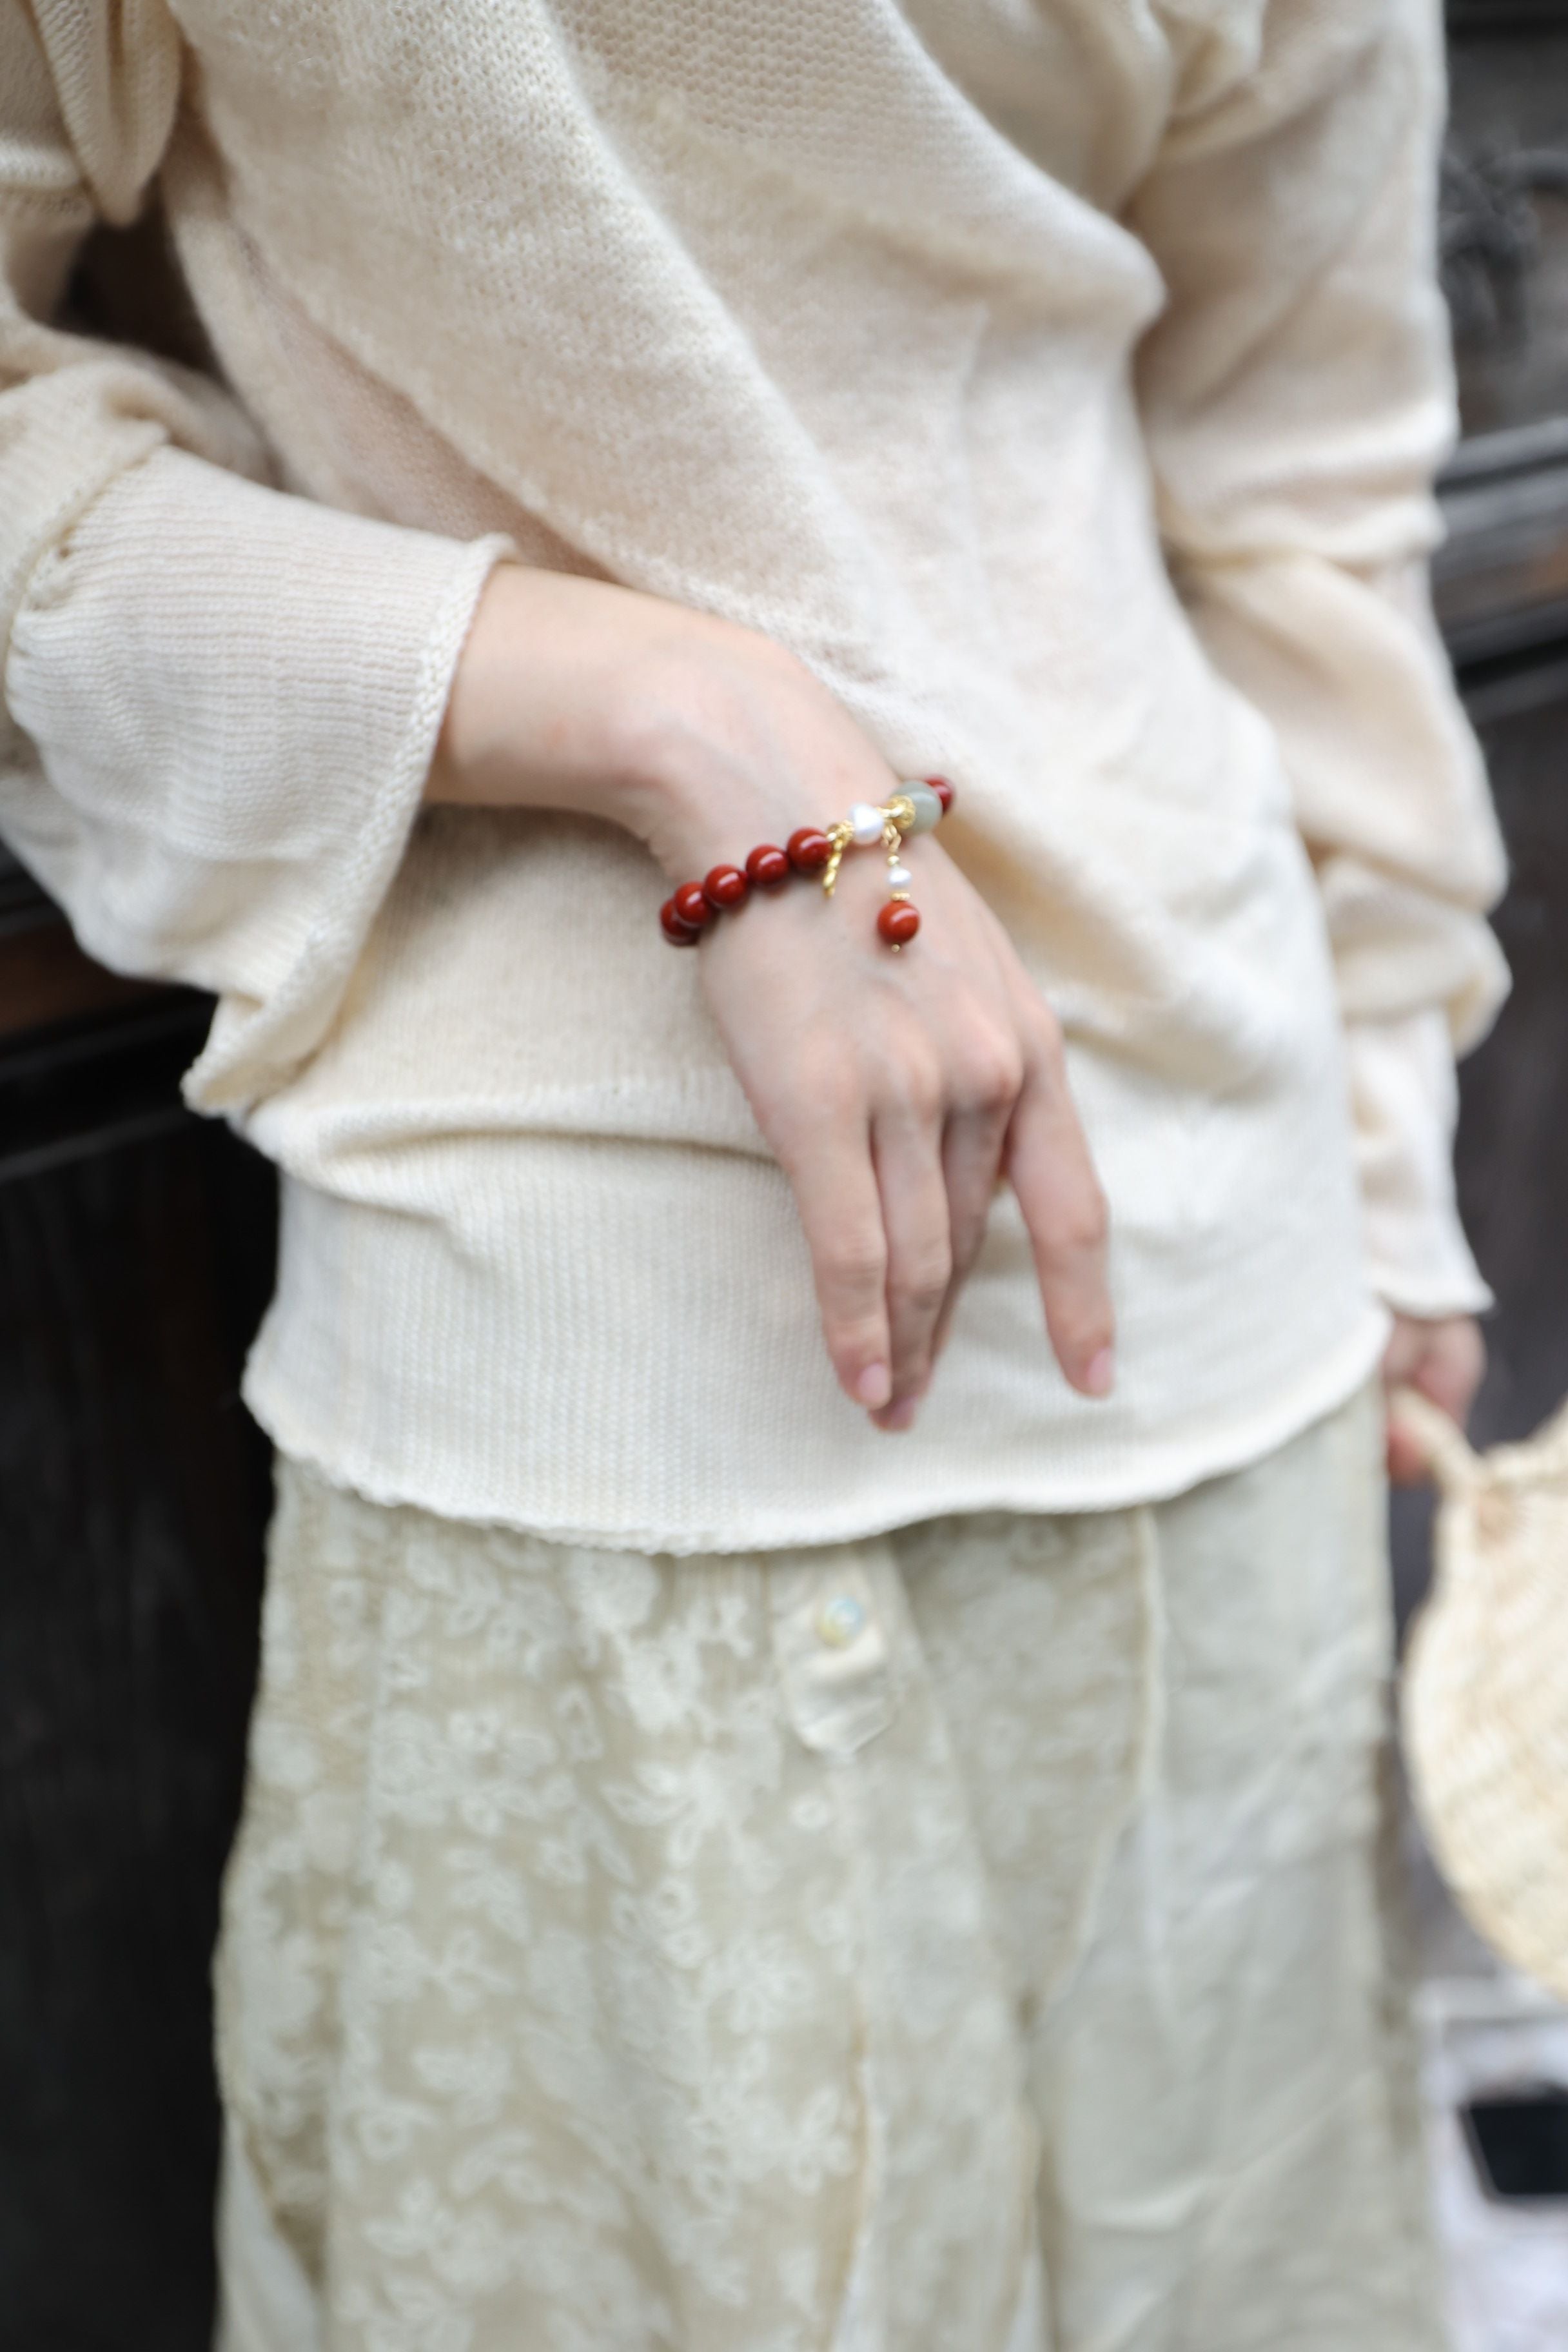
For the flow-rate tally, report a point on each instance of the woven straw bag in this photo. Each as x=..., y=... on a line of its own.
x=1485, y=1701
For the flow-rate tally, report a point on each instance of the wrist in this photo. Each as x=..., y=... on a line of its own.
x=581, y=695
x=707, y=731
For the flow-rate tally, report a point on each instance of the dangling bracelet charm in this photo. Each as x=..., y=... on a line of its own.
x=916, y=807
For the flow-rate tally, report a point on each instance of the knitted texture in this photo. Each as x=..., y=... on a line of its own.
x=939, y=343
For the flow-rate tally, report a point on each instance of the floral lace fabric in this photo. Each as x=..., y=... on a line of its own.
x=962, y=1941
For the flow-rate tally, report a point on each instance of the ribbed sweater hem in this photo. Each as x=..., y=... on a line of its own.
x=1151, y=1472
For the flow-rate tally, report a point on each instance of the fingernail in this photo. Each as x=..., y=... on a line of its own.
x=875, y=1385
x=900, y=1415
x=1099, y=1377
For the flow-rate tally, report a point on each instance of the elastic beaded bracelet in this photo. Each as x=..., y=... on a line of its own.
x=915, y=807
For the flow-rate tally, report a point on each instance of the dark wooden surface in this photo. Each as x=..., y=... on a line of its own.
x=135, y=1254
x=1513, y=1136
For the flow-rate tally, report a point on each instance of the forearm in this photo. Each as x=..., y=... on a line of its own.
x=579, y=694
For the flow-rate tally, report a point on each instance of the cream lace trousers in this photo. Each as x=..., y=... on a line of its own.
x=962, y=1941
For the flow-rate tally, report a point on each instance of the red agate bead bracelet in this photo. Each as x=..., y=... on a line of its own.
x=816, y=852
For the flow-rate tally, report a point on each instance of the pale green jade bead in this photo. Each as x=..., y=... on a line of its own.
x=926, y=805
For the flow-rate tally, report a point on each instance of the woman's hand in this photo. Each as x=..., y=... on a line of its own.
x=1444, y=1361
x=896, y=1090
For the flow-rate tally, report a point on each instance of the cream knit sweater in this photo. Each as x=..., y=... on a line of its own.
x=1029, y=371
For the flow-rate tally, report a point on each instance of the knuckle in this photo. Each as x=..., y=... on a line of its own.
x=994, y=1076
x=853, y=1267
x=921, y=1286
x=1082, y=1227
x=1048, y=1041
x=834, y=1099
x=917, y=1088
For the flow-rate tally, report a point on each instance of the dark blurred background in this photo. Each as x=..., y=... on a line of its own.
x=135, y=1254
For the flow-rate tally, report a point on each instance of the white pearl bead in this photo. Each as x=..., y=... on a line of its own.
x=866, y=823
x=898, y=878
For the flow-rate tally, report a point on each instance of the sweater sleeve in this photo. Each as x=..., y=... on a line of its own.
x=1296, y=397
x=220, y=700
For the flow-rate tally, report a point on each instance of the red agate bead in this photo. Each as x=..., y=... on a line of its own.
x=768, y=866
x=691, y=906
x=726, y=886
x=943, y=791
x=678, y=934
x=809, y=850
x=897, y=922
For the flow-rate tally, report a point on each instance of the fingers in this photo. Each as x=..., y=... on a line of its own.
x=1445, y=1359
x=840, y=1207
x=1407, y=1463
x=1065, y=1213
x=907, y=1143
x=973, y=1146
x=970, y=1159
x=1401, y=1369
x=1402, y=1356
x=894, y=1179
x=1454, y=1367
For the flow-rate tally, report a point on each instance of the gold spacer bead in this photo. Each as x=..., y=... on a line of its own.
x=839, y=837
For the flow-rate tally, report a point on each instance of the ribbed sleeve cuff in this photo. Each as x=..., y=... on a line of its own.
x=235, y=695
x=1404, y=1100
